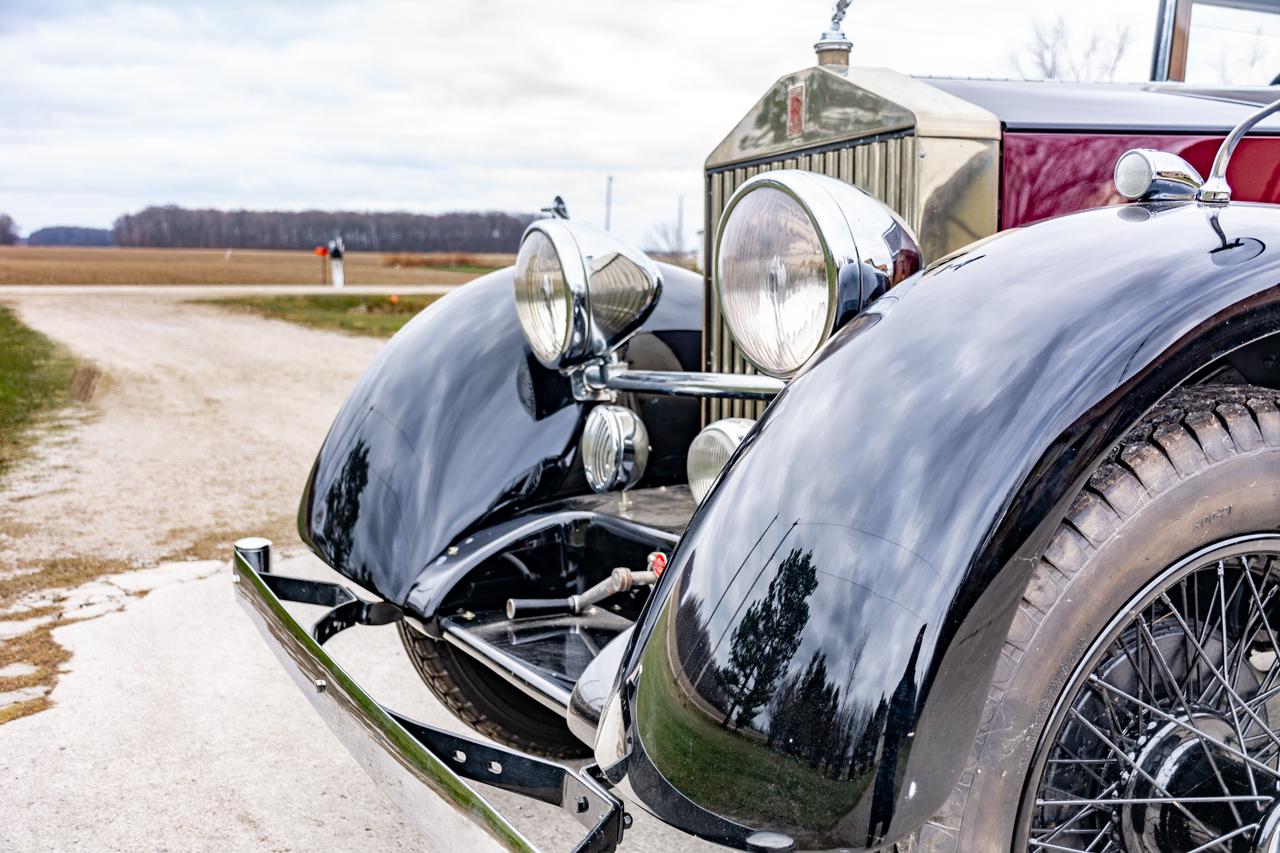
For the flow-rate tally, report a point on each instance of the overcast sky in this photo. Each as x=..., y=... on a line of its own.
x=437, y=105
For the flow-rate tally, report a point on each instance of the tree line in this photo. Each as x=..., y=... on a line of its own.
x=69, y=235
x=172, y=226
x=8, y=230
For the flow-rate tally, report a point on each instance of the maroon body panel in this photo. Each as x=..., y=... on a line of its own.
x=1047, y=174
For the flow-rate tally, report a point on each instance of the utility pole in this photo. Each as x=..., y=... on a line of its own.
x=680, y=225
x=608, y=201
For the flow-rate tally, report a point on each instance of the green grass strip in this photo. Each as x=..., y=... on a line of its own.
x=377, y=316
x=35, y=377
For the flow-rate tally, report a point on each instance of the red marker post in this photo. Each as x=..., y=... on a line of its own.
x=322, y=252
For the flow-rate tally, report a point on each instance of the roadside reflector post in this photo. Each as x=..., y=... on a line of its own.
x=335, y=261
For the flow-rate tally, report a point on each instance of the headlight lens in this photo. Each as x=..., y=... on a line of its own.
x=544, y=303
x=775, y=280
x=710, y=452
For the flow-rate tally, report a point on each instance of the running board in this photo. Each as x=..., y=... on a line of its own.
x=543, y=656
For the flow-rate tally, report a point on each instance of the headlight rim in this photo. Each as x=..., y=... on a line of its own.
x=830, y=226
x=578, y=343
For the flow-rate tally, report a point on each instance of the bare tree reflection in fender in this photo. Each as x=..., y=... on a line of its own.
x=902, y=711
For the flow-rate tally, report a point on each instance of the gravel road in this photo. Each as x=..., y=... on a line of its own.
x=172, y=727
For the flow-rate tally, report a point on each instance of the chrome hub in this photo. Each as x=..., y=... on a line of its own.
x=1180, y=760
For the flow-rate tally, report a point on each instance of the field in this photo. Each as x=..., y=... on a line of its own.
x=377, y=316
x=60, y=265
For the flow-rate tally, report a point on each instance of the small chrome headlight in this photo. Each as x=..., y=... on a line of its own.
x=797, y=255
x=710, y=452
x=615, y=448
x=580, y=292
x=1151, y=175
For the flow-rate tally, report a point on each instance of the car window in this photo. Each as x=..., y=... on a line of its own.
x=1233, y=46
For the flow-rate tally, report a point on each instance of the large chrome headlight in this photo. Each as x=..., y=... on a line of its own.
x=580, y=292
x=799, y=254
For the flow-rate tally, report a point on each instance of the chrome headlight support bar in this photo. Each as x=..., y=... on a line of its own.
x=615, y=376
x=1216, y=190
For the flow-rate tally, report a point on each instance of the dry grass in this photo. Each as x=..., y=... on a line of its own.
x=457, y=261
x=83, y=265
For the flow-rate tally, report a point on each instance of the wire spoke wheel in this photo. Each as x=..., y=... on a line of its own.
x=1167, y=737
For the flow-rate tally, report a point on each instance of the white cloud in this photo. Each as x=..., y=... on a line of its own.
x=444, y=105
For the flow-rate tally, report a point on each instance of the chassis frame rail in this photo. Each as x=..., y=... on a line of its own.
x=422, y=768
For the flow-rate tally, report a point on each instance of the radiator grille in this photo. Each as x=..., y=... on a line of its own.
x=883, y=166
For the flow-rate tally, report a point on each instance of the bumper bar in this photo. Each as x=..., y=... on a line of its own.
x=420, y=767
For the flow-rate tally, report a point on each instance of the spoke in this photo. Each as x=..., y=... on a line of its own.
x=1257, y=765
x=1149, y=801
x=1235, y=718
x=1066, y=827
x=1232, y=834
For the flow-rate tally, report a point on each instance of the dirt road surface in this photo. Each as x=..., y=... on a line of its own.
x=172, y=727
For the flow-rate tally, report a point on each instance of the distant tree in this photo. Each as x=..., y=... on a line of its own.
x=67, y=235
x=8, y=230
x=1054, y=54
x=361, y=231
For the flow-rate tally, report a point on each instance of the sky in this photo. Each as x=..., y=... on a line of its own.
x=441, y=105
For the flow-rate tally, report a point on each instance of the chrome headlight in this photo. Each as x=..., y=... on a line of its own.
x=580, y=292
x=797, y=255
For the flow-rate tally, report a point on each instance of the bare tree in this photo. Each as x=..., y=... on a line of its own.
x=667, y=239
x=1241, y=66
x=8, y=230
x=1053, y=53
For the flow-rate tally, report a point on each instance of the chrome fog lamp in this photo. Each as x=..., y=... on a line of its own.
x=615, y=448
x=710, y=452
x=798, y=254
x=1151, y=175
x=580, y=292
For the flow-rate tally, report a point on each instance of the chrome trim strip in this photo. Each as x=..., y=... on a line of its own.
x=736, y=386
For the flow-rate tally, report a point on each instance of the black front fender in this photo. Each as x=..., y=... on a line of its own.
x=816, y=659
x=456, y=425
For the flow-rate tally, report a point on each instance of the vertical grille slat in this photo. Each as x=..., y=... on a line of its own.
x=884, y=167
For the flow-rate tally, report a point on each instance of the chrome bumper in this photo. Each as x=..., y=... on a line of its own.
x=422, y=769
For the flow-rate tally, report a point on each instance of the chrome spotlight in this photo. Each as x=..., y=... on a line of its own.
x=615, y=448
x=1151, y=175
x=710, y=452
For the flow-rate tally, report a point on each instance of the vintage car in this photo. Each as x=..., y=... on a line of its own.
x=942, y=515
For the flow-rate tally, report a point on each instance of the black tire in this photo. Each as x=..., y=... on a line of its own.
x=1204, y=468
x=486, y=703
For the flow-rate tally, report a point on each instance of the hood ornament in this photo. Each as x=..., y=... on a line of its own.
x=834, y=47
